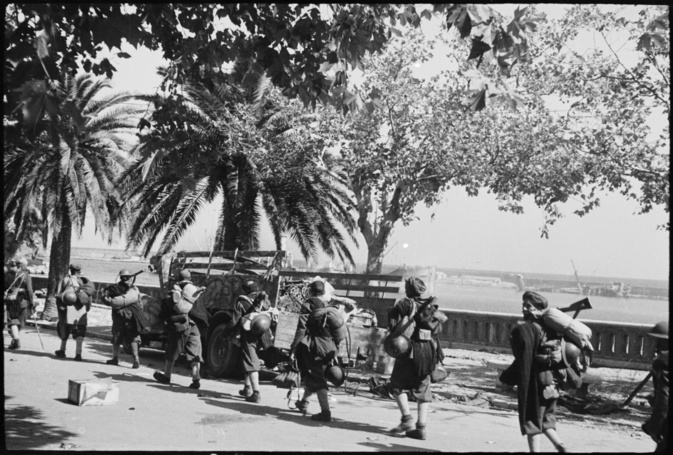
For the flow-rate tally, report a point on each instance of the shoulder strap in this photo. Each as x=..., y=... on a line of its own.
x=249, y=301
x=16, y=278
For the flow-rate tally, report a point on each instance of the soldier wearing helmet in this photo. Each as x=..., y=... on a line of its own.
x=128, y=320
x=249, y=335
x=18, y=299
x=412, y=371
x=73, y=302
x=657, y=425
x=316, y=347
x=178, y=310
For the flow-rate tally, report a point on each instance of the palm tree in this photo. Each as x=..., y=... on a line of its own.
x=221, y=150
x=70, y=168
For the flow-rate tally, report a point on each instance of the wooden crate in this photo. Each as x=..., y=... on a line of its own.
x=93, y=393
x=286, y=327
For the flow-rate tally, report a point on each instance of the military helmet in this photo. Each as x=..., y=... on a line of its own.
x=570, y=352
x=185, y=275
x=69, y=297
x=397, y=346
x=335, y=375
x=660, y=330
x=75, y=267
x=125, y=273
x=249, y=286
x=260, y=324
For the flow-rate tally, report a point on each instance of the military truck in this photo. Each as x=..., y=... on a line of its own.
x=222, y=274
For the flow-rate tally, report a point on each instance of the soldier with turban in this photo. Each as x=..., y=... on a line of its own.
x=537, y=371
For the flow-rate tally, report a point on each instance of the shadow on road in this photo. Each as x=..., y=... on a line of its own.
x=122, y=377
x=394, y=447
x=237, y=403
x=25, y=429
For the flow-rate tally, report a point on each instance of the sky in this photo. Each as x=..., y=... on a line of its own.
x=470, y=232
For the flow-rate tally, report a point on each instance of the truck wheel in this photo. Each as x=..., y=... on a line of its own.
x=222, y=358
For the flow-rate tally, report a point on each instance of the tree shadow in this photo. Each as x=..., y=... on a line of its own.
x=122, y=377
x=25, y=429
x=383, y=447
x=239, y=404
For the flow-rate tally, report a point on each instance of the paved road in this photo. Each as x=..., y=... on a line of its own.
x=152, y=416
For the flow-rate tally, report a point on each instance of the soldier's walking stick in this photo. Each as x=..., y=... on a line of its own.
x=37, y=328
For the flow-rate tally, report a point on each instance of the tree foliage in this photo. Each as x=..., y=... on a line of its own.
x=426, y=137
x=227, y=145
x=307, y=50
x=70, y=167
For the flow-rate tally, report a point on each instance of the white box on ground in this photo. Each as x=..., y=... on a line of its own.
x=93, y=393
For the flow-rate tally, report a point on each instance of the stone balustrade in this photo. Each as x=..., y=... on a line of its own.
x=617, y=345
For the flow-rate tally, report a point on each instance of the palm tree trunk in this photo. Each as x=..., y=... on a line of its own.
x=59, y=259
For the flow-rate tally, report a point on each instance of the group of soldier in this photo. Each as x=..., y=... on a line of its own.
x=539, y=370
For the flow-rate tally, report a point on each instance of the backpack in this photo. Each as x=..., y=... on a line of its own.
x=329, y=318
x=426, y=317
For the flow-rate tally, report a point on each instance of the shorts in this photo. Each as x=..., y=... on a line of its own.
x=404, y=378
x=20, y=320
x=249, y=356
x=548, y=420
x=187, y=342
x=122, y=335
x=16, y=313
x=66, y=330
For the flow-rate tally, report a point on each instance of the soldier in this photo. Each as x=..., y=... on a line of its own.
x=128, y=320
x=537, y=372
x=657, y=425
x=18, y=299
x=252, y=301
x=73, y=291
x=412, y=372
x=183, y=333
x=315, y=347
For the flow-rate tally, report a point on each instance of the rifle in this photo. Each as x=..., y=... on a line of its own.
x=578, y=306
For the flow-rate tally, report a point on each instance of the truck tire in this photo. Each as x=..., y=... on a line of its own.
x=222, y=355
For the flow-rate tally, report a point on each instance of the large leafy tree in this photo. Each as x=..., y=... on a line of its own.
x=231, y=146
x=68, y=167
x=428, y=136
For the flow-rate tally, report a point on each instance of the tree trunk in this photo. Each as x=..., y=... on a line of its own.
x=59, y=260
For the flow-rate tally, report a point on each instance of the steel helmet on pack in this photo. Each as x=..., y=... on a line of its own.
x=260, y=324
x=69, y=297
x=570, y=352
x=397, y=346
x=335, y=375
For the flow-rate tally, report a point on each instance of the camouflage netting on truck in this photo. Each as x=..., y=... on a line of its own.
x=291, y=295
